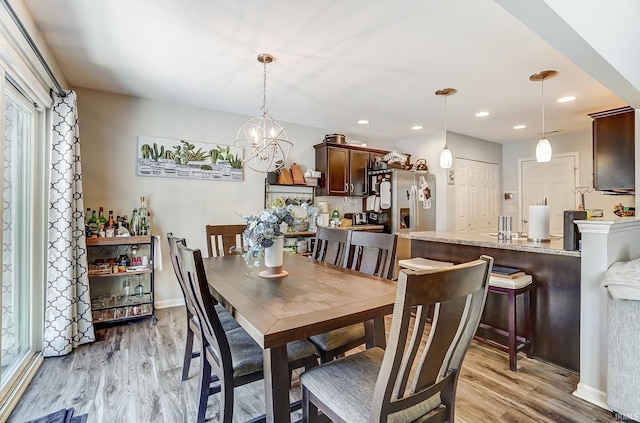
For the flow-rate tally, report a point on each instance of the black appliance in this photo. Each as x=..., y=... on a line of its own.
x=571, y=232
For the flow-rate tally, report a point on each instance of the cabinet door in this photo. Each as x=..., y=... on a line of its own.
x=338, y=171
x=359, y=165
x=613, y=152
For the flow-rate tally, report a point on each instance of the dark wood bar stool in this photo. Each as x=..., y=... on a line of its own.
x=512, y=288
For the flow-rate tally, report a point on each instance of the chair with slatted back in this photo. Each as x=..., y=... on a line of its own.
x=412, y=380
x=330, y=245
x=233, y=357
x=370, y=253
x=373, y=253
x=224, y=239
x=193, y=325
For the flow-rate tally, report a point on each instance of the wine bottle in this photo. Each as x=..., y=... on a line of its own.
x=93, y=224
x=102, y=221
x=134, y=226
x=143, y=213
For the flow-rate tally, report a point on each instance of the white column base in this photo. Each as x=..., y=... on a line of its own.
x=592, y=395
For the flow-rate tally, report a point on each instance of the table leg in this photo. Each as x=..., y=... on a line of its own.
x=374, y=333
x=276, y=384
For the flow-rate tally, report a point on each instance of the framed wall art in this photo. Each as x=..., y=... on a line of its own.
x=173, y=158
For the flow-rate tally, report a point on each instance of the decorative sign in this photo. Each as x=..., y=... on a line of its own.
x=171, y=158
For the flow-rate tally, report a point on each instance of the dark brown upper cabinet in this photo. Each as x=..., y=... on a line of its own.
x=613, y=150
x=344, y=169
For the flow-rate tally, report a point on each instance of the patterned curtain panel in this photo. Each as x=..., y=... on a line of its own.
x=68, y=307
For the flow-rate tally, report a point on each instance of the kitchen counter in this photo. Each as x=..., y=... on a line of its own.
x=555, y=246
x=555, y=293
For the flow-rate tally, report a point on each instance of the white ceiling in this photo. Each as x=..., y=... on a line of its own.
x=336, y=62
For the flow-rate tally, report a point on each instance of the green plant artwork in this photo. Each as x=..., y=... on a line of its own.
x=174, y=158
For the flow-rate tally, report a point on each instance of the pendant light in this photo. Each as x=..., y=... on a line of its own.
x=446, y=158
x=543, y=148
x=263, y=140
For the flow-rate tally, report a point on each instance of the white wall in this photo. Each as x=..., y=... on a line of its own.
x=580, y=142
x=109, y=127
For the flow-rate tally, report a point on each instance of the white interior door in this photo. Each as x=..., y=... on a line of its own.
x=477, y=197
x=556, y=180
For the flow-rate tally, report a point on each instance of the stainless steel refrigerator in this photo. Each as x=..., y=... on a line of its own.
x=407, y=200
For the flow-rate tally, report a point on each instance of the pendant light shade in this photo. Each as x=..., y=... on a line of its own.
x=263, y=140
x=543, y=148
x=446, y=158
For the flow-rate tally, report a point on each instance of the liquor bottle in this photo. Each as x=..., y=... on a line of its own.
x=134, y=227
x=93, y=224
x=87, y=217
x=102, y=221
x=125, y=221
x=110, y=222
x=143, y=213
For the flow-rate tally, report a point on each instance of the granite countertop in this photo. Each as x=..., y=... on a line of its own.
x=555, y=246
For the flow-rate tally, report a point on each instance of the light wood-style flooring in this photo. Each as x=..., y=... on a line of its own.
x=132, y=374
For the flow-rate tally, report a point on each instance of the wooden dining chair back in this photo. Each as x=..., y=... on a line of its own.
x=415, y=378
x=193, y=326
x=373, y=253
x=224, y=240
x=193, y=323
x=330, y=245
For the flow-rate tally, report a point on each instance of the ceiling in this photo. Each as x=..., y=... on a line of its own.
x=335, y=63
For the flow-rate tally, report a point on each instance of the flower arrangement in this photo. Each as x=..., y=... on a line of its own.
x=263, y=229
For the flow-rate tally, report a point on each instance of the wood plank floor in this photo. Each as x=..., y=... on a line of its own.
x=132, y=374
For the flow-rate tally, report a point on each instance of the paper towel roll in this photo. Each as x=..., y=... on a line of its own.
x=539, y=223
x=323, y=207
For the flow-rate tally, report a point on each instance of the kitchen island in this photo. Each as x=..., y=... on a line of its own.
x=555, y=297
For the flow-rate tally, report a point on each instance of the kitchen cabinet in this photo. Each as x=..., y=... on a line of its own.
x=613, y=150
x=121, y=288
x=344, y=169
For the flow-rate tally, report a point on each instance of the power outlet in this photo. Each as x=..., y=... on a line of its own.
x=451, y=177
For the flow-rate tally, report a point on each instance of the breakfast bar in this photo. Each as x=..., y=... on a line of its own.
x=555, y=296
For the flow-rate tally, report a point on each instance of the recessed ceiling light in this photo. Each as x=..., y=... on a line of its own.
x=363, y=121
x=519, y=126
x=482, y=114
x=566, y=99
x=416, y=127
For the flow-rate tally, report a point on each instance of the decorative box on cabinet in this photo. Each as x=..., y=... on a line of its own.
x=111, y=300
x=613, y=149
x=344, y=169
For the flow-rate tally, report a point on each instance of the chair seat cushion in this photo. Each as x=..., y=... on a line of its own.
x=420, y=263
x=337, y=338
x=347, y=385
x=226, y=319
x=515, y=283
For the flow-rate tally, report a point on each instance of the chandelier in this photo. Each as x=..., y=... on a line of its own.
x=446, y=158
x=263, y=140
x=543, y=148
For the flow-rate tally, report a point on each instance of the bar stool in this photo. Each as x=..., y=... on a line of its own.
x=512, y=288
x=420, y=263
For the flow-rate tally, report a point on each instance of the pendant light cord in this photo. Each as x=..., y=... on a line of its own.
x=264, y=89
x=445, y=121
x=542, y=85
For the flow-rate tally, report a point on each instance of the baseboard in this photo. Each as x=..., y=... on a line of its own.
x=592, y=395
x=19, y=387
x=175, y=302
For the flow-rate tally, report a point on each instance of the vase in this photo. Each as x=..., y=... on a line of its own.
x=273, y=259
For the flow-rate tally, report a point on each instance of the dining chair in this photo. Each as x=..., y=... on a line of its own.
x=367, y=252
x=232, y=356
x=330, y=245
x=415, y=378
x=193, y=324
x=224, y=239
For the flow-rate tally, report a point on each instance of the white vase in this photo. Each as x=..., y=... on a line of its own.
x=274, y=256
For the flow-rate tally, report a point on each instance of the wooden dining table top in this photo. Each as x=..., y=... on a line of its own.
x=315, y=297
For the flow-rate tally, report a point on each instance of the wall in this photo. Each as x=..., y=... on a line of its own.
x=580, y=142
x=429, y=147
x=109, y=127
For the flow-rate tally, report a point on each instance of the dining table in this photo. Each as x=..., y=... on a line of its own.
x=314, y=297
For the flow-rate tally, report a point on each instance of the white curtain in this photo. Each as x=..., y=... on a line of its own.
x=68, y=302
